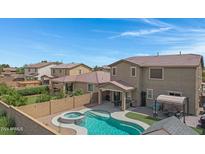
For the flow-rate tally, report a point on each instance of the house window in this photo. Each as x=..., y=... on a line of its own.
x=156, y=73
x=35, y=69
x=80, y=71
x=53, y=71
x=149, y=93
x=114, y=69
x=133, y=71
x=174, y=93
x=90, y=87
x=60, y=71
x=29, y=70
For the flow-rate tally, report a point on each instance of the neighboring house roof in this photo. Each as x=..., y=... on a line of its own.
x=96, y=77
x=184, y=60
x=169, y=126
x=69, y=66
x=10, y=69
x=40, y=65
x=31, y=75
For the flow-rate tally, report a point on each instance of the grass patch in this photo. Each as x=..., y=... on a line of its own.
x=198, y=130
x=146, y=119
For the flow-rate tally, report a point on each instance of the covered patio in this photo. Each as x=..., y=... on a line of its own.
x=119, y=93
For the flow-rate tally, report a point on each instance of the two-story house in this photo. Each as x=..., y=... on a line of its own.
x=36, y=71
x=142, y=79
x=69, y=69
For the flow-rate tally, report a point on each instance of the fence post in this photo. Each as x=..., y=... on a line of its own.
x=50, y=107
x=73, y=101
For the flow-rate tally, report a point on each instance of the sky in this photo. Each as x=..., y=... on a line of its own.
x=97, y=41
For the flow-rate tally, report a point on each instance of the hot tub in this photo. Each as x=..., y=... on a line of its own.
x=71, y=117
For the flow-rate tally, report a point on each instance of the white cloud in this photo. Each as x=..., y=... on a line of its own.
x=142, y=32
x=155, y=22
x=59, y=54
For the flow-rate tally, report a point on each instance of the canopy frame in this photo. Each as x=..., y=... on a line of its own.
x=173, y=100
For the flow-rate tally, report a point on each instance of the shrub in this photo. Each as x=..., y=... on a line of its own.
x=2, y=113
x=34, y=91
x=14, y=99
x=11, y=122
x=43, y=98
x=4, y=89
x=77, y=92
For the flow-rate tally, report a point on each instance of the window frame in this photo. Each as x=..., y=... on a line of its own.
x=131, y=71
x=152, y=94
x=115, y=71
x=88, y=87
x=156, y=68
x=175, y=92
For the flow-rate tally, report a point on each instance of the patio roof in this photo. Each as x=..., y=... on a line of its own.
x=119, y=84
x=166, y=99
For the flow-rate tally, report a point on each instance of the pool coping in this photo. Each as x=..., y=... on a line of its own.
x=120, y=115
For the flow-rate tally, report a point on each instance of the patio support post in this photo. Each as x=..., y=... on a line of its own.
x=123, y=101
x=99, y=96
x=184, y=112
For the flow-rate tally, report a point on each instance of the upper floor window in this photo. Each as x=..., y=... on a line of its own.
x=149, y=93
x=114, y=71
x=174, y=93
x=156, y=73
x=80, y=71
x=90, y=87
x=53, y=71
x=133, y=71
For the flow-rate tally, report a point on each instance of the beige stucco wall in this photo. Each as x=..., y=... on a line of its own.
x=84, y=87
x=29, y=125
x=175, y=79
x=124, y=73
x=75, y=71
x=185, y=80
x=59, y=72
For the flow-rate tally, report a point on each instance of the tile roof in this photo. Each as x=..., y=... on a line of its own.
x=11, y=69
x=121, y=84
x=185, y=60
x=96, y=77
x=68, y=66
x=40, y=65
x=171, y=126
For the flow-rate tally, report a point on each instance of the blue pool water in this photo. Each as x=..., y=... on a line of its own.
x=101, y=125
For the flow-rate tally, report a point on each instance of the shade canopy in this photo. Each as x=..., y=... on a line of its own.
x=167, y=99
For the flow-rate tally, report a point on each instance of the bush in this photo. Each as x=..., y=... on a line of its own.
x=4, y=89
x=34, y=91
x=14, y=99
x=77, y=92
x=43, y=98
x=2, y=113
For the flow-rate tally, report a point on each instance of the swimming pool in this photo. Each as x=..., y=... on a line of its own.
x=101, y=123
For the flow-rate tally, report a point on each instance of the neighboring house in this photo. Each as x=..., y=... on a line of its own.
x=169, y=126
x=105, y=68
x=87, y=82
x=142, y=79
x=69, y=69
x=36, y=71
x=9, y=71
